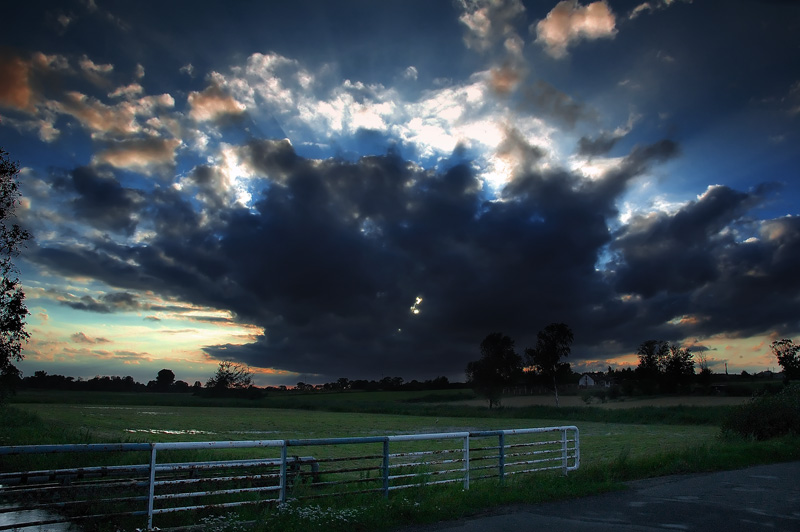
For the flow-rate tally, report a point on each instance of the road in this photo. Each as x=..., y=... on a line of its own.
x=756, y=498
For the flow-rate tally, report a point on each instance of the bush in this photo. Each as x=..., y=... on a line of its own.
x=766, y=416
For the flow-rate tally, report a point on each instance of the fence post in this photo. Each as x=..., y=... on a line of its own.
x=386, y=467
x=564, y=454
x=466, y=462
x=152, y=486
x=502, y=456
x=282, y=496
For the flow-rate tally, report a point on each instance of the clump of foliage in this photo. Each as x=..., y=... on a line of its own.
x=12, y=306
x=499, y=366
x=664, y=367
x=553, y=344
x=787, y=353
x=766, y=416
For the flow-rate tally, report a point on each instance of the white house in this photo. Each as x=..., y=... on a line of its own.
x=594, y=380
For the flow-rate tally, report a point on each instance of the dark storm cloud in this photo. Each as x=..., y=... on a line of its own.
x=332, y=255
x=678, y=252
x=103, y=202
x=107, y=304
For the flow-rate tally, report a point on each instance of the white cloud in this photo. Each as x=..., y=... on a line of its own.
x=436, y=122
x=114, y=120
x=88, y=65
x=128, y=91
x=651, y=7
x=141, y=154
x=213, y=103
x=187, y=69
x=570, y=22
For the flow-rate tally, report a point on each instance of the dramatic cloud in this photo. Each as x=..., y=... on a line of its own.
x=15, y=90
x=570, y=22
x=375, y=201
x=332, y=256
x=103, y=202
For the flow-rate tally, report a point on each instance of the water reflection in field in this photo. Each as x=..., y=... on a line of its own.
x=168, y=431
x=9, y=517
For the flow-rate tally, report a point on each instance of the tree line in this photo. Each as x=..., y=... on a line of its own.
x=230, y=379
x=663, y=367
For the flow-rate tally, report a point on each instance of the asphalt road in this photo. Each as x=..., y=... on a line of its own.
x=756, y=498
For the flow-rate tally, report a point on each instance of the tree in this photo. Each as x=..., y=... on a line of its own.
x=498, y=367
x=786, y=351
x=678, y=369
x=552, y=344
x=704, y=377
x=231, y=375
x=663, y=365
x=164, y=379
x=652, y=354
x=12, y=305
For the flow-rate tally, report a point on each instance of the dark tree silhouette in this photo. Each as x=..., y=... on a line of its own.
x=498, y=367
x=652, y=354
x=786, y=351
x=165, y=379
x=678, y=369
x=663, y=365
x=552, y=344
x=12, y=298
x=231, y=375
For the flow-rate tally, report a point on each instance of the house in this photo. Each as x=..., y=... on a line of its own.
x=594, y=380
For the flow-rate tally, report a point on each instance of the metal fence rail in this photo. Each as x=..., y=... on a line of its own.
x=148, y=479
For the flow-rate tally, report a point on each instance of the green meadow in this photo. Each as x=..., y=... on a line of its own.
x=616, y=444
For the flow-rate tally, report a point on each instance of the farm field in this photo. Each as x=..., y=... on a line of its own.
x=600, y=442
x=639, y=438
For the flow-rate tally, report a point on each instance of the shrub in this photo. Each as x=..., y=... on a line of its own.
x=766, y=416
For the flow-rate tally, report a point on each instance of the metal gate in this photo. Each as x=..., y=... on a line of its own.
x=73, y=483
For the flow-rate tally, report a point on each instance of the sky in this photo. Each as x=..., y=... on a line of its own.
x=366, y=189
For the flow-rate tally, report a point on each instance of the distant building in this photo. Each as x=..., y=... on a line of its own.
x=594, y=380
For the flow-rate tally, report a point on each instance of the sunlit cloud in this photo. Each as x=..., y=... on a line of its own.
x=570, y=22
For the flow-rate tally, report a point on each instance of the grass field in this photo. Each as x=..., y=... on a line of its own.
x=642, y=439
x=599, y=441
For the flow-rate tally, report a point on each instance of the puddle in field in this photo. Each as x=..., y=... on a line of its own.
x=171, y=432
x=107, y=407
x=9, y=518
